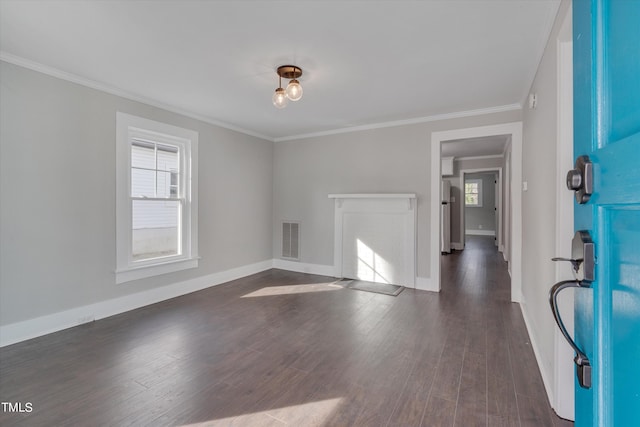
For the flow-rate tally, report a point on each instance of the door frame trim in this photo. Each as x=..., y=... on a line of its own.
x=563, y=392
x=515, y=130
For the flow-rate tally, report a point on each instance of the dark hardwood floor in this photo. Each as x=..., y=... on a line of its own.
x=281, y=348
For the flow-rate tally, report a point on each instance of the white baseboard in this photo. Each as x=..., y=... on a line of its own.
x=457, y=246
x=303, y=267
x=32, y=328
x=425, y=284
x=546, y=378
x=480, y=232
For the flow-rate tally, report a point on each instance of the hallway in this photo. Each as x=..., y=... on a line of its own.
x=281, y=348
x=498, y=364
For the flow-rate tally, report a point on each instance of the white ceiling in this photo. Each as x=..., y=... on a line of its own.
x=364, y=62
x=475, y=147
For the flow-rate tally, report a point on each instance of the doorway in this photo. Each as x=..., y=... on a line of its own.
x=513, y=234
x=481, y=207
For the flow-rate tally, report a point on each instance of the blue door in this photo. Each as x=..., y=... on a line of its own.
x=606, y=37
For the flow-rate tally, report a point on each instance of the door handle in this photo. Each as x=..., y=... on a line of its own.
x=581, y=360
x=575, y=263
x=583, y=257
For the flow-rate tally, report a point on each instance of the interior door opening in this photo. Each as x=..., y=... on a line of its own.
x=482, y=211
x=511, y=161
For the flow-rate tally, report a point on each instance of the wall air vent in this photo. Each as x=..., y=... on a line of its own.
x=290, y=240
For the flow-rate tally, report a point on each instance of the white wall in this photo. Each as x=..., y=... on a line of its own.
x=57, y=186
x=539, y=204
x=387, y=160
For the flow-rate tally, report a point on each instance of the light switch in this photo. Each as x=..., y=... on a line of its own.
x=525, y=185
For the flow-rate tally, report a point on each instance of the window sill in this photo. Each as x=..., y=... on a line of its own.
x=135, y=273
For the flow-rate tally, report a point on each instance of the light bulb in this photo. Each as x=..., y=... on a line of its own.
x=280, y=98
x=294, y=90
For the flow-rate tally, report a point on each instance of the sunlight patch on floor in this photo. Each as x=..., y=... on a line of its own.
x=312, y=413
x=293, y=289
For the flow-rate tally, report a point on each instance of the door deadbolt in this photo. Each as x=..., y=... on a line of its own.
x=580, y=179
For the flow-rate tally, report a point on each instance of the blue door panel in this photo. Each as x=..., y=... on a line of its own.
x=623, y=67
x=614, y=183
x=606, y=37
x=625, y=253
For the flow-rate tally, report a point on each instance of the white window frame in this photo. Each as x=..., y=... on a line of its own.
x=479, y=183
x=129, y=127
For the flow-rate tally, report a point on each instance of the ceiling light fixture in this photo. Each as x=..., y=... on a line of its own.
x=293, y=92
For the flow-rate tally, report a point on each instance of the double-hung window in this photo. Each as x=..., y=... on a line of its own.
x=156, y=207
x=473, y=193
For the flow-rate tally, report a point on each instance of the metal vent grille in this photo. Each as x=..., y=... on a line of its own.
x=290, y=240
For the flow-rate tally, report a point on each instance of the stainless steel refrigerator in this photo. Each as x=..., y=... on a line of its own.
x=445, y=217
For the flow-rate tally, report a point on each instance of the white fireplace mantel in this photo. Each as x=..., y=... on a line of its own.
x=391, y=217
x=373, y=196
x=340, y=197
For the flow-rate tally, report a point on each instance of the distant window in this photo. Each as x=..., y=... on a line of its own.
x=156, y=205
x=473, y=193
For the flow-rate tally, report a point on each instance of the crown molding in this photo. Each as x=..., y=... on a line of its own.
x=417, y=120
x=73, y=78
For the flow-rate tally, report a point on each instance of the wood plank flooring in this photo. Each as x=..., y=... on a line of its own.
x=280, y=348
